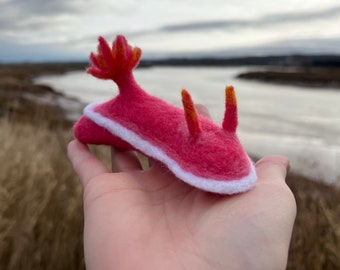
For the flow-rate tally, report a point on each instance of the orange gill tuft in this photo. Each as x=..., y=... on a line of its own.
x=113, y=63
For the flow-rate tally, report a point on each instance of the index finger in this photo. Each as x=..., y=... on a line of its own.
x=202, y=110
x=85, y=164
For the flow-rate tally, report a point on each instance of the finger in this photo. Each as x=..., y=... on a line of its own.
x=144, y=161
x=123, y=161
x=202, y=110
x=272, y=168
x=158, y=167
x=85, y=164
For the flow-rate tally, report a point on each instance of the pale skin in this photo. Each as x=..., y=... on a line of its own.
x=149, y=219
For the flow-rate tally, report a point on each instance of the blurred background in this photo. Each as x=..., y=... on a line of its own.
x=38, y=30
x=283, y=58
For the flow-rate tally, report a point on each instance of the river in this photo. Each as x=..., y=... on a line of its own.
x=299, y=122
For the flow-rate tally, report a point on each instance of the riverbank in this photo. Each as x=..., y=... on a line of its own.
x=41, y=206
x=23, y=101
x=311, y=77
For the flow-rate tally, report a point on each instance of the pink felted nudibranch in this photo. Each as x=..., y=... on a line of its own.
x=195, y=149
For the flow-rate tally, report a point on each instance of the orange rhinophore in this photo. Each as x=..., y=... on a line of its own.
x=190, y=114
x=230, y=121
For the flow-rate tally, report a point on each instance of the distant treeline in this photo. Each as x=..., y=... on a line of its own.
x=283, y=60
x=328, y=61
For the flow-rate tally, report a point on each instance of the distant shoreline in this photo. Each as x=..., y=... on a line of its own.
x=302, y=70
x=311, y=61
x=306, y=77
x=294, y=60
x=20, y=94
x=22, y=100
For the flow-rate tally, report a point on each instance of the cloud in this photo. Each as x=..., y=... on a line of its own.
x=72, y=26
x=268, y=20
x=18, y=13
x=303, y=16
x=38, y=7
x=27, y=21
x=199, y=26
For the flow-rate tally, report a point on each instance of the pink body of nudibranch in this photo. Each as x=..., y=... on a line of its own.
x=194, y=148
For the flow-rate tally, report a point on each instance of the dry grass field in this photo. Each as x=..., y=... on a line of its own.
x=40, y=198
x=41, y=218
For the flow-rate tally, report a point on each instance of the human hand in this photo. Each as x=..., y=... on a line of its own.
x=149, y=219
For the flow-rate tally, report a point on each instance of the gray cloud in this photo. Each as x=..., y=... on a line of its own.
x=38, y=7
x=20, y=15
x=56, y=22
x=304, y=16
x=198, y=26
x=260, y=22
x=34, y=28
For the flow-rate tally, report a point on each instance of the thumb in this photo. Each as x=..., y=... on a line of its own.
x=272, y=168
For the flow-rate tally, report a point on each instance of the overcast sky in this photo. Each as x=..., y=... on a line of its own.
x=35, y=30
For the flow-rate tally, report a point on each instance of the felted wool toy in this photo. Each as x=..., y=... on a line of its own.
x=192, y=147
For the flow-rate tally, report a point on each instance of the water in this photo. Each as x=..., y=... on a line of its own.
x=301, y=123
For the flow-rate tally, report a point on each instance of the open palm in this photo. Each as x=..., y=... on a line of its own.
x=149, y=219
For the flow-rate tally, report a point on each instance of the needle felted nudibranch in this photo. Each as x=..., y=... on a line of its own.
x=194, y=148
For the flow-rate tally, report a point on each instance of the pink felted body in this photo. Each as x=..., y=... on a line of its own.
x=194, y=148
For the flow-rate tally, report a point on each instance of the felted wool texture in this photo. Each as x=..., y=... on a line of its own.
x=88, y=132
x=211, y=185
x=212, y=158
x=214, y=153
x=230, y=120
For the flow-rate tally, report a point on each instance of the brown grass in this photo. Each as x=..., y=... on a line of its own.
x=41, y=207
x=316, y=236
x=41, y=219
